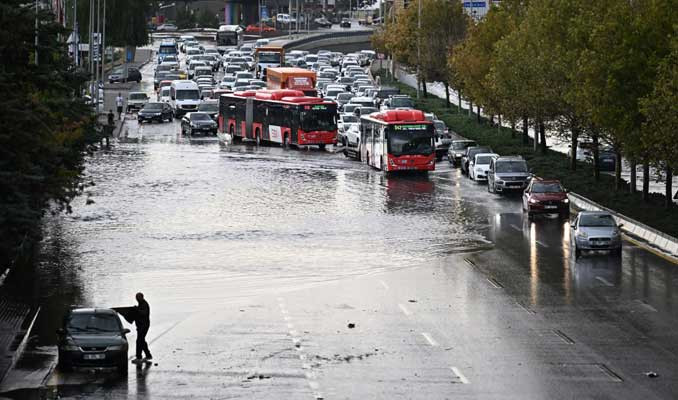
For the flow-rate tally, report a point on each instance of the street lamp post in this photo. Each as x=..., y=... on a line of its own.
x=418, y=46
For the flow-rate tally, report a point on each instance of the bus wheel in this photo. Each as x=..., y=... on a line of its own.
x=234, y=138
x=286, y=142
x=322, y=147
x=257, y=137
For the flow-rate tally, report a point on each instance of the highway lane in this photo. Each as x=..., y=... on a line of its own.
x=302, y=274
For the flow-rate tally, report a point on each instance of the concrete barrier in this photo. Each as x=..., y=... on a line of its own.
x=328, y=39
x=666, y=244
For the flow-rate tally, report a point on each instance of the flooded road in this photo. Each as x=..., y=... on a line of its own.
x=300, y=274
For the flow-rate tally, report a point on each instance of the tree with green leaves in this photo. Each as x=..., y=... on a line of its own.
x=46, y=125
x=660, y=129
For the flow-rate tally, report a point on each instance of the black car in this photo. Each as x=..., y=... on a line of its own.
x=120, y=74
x=155, y=112
x=345, y=23
x=94, y=338
x=198, y=122
x=457, y=150
x=471, y=151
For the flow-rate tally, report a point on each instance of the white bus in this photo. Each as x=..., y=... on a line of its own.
x=229, y=37
x=184, y=97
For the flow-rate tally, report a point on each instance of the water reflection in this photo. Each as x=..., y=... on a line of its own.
x=596, y=271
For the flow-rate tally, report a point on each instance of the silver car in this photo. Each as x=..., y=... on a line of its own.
x=595, y=230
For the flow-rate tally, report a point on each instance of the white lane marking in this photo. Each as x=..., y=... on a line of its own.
x=293, y=332
x=286, y=317
x=404, y=310
x=542, y=244
x=516, y=227
x=461, y=376
x=603, y=281
x=429, y=339
x=282, y=310
x=383, y=284
x=495, y=283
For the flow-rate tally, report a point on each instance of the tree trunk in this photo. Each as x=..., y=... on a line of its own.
x=633, y=178
x=470, y=108
x=617, y=169
x=542, y=136
x=478, y=116
x=491, y=119
x=526, y=139
x=513, y=130
x=459, y=98
x=423, y=88
x=596, y=159
x=574, y=143
x=535, y=142
x=646, y=180
x=447, y=95
x=669, y=187
x=499, y=123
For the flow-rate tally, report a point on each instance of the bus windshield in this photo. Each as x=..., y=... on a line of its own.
x=227, y=38
x=414, y=139
x=269, y=58
x=319, y=120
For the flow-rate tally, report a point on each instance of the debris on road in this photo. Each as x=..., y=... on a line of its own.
x=652, y=374
x=351, y=325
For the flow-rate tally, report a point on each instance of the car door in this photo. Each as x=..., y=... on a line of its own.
x=166, y=111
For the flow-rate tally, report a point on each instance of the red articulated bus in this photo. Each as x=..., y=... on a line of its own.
x=279, y=116
x=397, y=140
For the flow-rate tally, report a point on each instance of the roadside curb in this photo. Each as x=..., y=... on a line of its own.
x=659, y=243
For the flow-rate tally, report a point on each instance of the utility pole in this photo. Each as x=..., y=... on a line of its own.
x=96, y=65
x=91, y=48
x=103, y=48
x=297, y=19
x=76, y=34
x=418, y=47
x=261, y=33
x=289, y=22
x=36, y=32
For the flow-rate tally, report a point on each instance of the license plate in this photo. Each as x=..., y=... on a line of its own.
x=94, y=356
x=550, y=207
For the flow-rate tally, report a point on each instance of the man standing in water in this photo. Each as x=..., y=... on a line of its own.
x=143, y=321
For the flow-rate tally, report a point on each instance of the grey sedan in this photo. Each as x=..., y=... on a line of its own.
x=595, y=230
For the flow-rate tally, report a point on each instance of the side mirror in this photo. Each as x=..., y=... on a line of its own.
x=125, y=331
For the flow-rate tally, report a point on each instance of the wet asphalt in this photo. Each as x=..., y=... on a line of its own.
x=301, y=274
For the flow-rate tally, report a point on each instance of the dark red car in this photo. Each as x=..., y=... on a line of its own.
x=546, y=197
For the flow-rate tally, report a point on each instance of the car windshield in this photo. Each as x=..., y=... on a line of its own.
x=462, y=145
x=200, y=117
x=511, y=166
x=188, y=94
x=483, y=160
x=402, y=102
x=209, y=107
x=153, y=106
x=596, y=220
x=138, y=96
x=349, y=118
x=439, y=126
x=93, y=323
x=547, y=188
x=349, y=108
x=323, y=118
x=165, y=92
x=410, y=139
x=344, y=96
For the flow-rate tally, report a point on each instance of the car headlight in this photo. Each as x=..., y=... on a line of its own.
x=458, y=154
x=582, y=234
x=533, y=201
x=499, y=181
x=115, y=348
x=565, y=201
x=616, y=234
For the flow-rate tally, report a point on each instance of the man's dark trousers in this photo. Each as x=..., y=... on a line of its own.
x=141, y=341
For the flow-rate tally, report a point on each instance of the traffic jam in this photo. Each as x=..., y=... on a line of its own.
x=258, y=93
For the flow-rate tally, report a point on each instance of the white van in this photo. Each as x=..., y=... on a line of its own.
x=184, y=97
